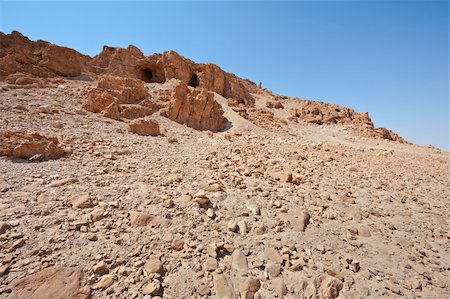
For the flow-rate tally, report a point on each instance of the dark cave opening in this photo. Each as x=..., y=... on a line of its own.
x=194, y=81
x=147, y=75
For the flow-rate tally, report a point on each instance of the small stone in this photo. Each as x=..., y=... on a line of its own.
x=202, y=201
x=331, y=287
x=354, y=266
x=211, y=264
x=239, y=261
x=81, y=201
x=101, y=268
x=151, y=288
x=232, y=226
x=177, y=244
x=273, y=255
x=97, y=214
x=222, y=287
x=210, y=213
x=301, y=221
x=274, y=270
x=279, y=287
x=243, y=226
x=4, y=269
x=249, y=286
x=154, y=266
x=168, y=203
x=185, y=197
x=4, y=227
x=140, y=219
x=44, y=197
x=105, y=282
x=59, y=183
x=253, y=208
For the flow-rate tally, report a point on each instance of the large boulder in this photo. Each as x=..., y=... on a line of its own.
x=195, y=108
x=120, y=97
x=31, y=146
x=144, y=127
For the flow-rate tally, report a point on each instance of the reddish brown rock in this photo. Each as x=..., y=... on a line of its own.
x=195, y=108
x=144, y=127
x=54, y=282
x=112, y=89
x=18, y=54
x=32, y=146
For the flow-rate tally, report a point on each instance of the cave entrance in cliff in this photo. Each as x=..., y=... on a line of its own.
x=147, y=75
x=194, y=81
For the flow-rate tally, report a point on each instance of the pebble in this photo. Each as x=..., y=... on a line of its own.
x=154, y=265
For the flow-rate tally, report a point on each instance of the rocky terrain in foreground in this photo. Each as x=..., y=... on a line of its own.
x=126, y=176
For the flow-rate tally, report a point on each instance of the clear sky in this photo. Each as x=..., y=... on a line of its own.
x=389, y=58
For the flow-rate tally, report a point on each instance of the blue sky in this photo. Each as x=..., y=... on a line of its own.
x=389, y=58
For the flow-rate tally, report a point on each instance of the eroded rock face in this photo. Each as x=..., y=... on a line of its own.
x=195, y=108
x=117, y=61
x=31, y=146
x=18, y=54
x=170, y=65
x=119, y=97
x=322, y=113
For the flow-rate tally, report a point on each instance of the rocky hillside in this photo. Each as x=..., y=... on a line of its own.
x=132, y=176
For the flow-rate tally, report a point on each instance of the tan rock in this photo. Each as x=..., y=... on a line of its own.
x=177, y=244
x=105, y=282
x=4, y=227
x=144, y=127
x=248, y=286
x=54, y=282
x=195, y=108
x=152, y=288
x=33, y=146
x=210, y=264
x=239, y=261
x=273, y=255
x=81, y=201
x=140, y=218
x=279, y=287
x=97, y=214
x=100, y=268
x=223, y=287
x=154, y=265
x=331, y=287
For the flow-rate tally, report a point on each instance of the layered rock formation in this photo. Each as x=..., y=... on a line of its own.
x=195, y=108
x=321, y=113
x=32, y=146
x=120, y=97
x=19, y=55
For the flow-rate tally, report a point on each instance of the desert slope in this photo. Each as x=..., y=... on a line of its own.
x=286, y=199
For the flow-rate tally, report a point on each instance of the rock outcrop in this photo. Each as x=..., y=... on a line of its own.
x=32, y=146
x=19, y=55
x=195, y=108
x=322, y=113
x=120, y=97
